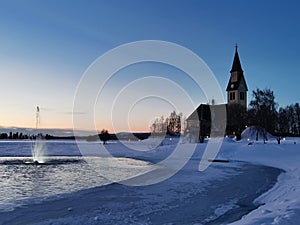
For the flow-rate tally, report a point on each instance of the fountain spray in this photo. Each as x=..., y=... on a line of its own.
x=39, y=150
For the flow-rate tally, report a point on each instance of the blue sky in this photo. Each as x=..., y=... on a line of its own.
x=45, y=47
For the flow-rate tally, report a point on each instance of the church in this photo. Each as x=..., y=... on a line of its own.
x=198, y=124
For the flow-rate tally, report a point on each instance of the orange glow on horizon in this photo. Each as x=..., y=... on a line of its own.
x=57, y=126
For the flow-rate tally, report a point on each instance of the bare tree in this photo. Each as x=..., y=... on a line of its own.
x=170, y=124
x=174, y=122
x=263, y=110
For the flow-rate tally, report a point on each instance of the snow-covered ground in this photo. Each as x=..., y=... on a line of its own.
x=282, y=202
x=153, y=204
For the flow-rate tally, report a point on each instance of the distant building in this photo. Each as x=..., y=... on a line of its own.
x=198, y=124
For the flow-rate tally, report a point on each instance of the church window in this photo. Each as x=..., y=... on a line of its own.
x=234, y=77
x=232, y=95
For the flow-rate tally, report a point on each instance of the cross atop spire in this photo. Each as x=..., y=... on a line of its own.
x=236, y=65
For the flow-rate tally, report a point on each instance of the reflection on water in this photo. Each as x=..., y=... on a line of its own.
x=21, y=180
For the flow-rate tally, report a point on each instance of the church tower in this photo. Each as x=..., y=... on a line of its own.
x=237, y=87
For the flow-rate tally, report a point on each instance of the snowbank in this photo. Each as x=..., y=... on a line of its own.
x=282, y=202
x=250, y=133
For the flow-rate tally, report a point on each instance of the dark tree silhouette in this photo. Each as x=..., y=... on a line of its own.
x=289, y=120
x=297, y=114
x=283, y=121
x=263, y=110
x=104, y=136
x=236, y=119
x=4, y=136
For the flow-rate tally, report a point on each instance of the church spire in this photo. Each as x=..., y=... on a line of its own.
x=236, y=65
x=237, y=87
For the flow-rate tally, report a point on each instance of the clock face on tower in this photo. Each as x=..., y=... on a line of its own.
x=232, y=86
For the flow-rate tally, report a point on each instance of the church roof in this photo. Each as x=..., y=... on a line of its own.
x=236, y=65
x=231, y=86
x=201, y=113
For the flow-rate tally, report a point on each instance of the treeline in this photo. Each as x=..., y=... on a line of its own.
x=263, y=112
x=21, y=136
x=289, y=120
x=15, y=135
x=171, y=124
x=105, y=136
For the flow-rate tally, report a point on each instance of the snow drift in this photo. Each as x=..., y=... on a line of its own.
x=253, y=132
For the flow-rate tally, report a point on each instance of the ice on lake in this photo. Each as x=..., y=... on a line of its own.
x=224, y=192
x=23, y=181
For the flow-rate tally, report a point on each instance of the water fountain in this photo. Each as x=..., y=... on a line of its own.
x=39, y=149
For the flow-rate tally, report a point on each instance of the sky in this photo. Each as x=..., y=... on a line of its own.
x=46, y=46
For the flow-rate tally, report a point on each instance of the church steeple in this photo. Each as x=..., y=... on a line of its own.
x=237, y=87
x=236, y=65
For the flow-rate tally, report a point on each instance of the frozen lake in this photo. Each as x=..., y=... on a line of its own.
x=23, y=182
x=72, y=191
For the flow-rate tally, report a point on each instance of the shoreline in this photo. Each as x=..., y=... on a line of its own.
x=67, y=206
x=248, y=204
